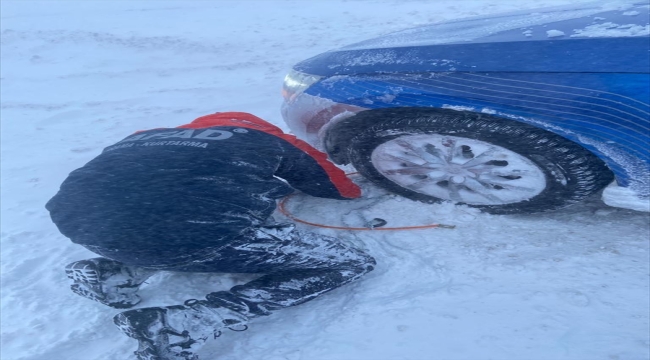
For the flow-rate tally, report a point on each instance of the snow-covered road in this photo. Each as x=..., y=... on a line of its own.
x=77, y=76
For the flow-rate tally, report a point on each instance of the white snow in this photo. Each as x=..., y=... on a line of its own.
x=458, y=107
x=617, y=196
x=610, y=29
x=78, y=76
x=554, y=33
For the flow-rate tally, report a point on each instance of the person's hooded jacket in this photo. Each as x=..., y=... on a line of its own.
x=192, y=187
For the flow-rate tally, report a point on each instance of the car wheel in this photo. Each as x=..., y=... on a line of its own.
x=500, y=166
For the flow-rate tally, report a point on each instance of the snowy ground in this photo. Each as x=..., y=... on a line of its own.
x=80, y=75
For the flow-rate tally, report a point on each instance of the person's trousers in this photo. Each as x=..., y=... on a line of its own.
x=295, y=266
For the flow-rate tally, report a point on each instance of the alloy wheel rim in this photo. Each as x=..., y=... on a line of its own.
x=458, y=169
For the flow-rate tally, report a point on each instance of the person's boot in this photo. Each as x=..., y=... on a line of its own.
x=177, y=332
x=106, y=281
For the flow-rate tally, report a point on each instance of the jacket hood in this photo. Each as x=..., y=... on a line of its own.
x=345, y=186
x=232, y=118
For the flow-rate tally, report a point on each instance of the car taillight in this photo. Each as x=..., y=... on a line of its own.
x=296, y=82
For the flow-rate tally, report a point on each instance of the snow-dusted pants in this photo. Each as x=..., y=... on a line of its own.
x=296, y=266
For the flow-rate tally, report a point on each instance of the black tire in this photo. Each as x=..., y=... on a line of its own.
x=571, y=173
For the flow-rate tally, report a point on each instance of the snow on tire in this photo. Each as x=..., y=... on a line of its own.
x=498, y=165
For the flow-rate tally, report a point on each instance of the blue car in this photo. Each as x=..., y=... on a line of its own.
x=515, y=113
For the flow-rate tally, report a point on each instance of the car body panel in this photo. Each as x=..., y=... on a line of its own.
x=574, y=105
x=590, y=85
x=629, y=55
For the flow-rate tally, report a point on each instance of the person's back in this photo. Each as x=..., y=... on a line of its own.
x=207, y=180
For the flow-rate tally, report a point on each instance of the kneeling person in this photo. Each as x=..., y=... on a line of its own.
x=199, y=198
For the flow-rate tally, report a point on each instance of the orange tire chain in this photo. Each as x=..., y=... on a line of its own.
x=285, y=212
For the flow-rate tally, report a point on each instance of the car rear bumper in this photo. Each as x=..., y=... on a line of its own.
x=308, y=116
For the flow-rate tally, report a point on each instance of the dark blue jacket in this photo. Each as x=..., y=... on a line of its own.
x=182, y=190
